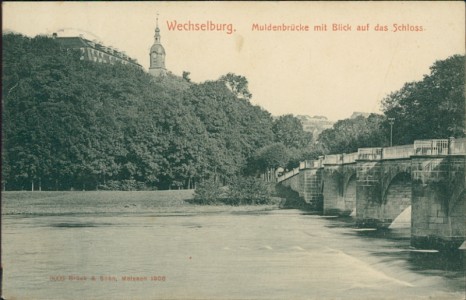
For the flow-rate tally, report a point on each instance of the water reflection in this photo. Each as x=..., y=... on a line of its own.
x=78, y=225
x=442, y=261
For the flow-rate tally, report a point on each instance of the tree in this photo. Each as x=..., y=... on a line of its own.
x=431, y=108
x=269, y=157
x=289, y=131
x=234, y=127
x=237, y=84
x=348, y=135
x=73, y=124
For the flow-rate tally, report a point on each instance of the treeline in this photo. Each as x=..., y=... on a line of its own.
x=433, y=108
x=73, y=124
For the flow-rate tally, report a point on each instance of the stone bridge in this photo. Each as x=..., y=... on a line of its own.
x=375, y=185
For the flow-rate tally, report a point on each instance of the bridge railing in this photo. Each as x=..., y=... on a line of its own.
x=404, y=151
x=458, y=146
x=431, y=147
x=332, y=159
x=288, y=174
x=420, y=147
x=350, y=157
x=307, y=164
x=303, y=164
x=370, y=153
x=311, y=164
x=318, y=163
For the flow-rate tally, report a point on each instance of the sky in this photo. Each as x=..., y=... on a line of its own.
x=331, y=73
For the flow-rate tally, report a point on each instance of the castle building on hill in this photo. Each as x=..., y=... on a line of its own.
x=95, y=51
x=315, y=124
x=359, y=114
x=157, y=55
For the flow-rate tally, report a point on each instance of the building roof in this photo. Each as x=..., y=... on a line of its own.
x=72, y=42
x=358, y=114
x=80, y=42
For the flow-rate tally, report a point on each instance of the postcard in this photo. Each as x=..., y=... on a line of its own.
x=233, y=150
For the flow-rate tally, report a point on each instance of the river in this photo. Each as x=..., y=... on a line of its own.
x=57, y=248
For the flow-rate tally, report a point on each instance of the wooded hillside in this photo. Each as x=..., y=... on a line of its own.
x=76, y=124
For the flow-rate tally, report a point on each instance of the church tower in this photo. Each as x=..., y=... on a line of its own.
x=157, y=55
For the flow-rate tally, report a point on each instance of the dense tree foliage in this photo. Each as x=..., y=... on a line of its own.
x=73, y=124
x=348, y=135
x=431, y=108
x=292, y=145
x=69, y=123
x=269, y=157
x=289, y=131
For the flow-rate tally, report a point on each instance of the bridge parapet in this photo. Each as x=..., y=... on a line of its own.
x=332, y=159
x=431, y=147
x=397, y=152
x=339, y=159
x=370, y=153
x=458, y=146
x=288, y=175
x=350, y=158
x=311, y=164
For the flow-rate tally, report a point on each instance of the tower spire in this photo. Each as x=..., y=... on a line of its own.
x=157, y=53
x=157, y=30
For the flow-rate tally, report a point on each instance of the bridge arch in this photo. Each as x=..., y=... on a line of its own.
x=397, y=197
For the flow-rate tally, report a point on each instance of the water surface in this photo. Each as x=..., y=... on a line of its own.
x=53, y=246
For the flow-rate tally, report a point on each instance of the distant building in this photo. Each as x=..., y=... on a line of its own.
x=315, y=124
x=358, y=113
x=95, y=51
x=157, y=55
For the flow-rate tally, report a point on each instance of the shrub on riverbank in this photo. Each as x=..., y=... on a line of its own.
x=209, y=192
x=124, y=185
x=240, y=191
x=248, y=190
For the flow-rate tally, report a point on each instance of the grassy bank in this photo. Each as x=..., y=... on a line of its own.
x=172, y=197
x=85, y=202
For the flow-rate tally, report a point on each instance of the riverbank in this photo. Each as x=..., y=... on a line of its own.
x=85, y=202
